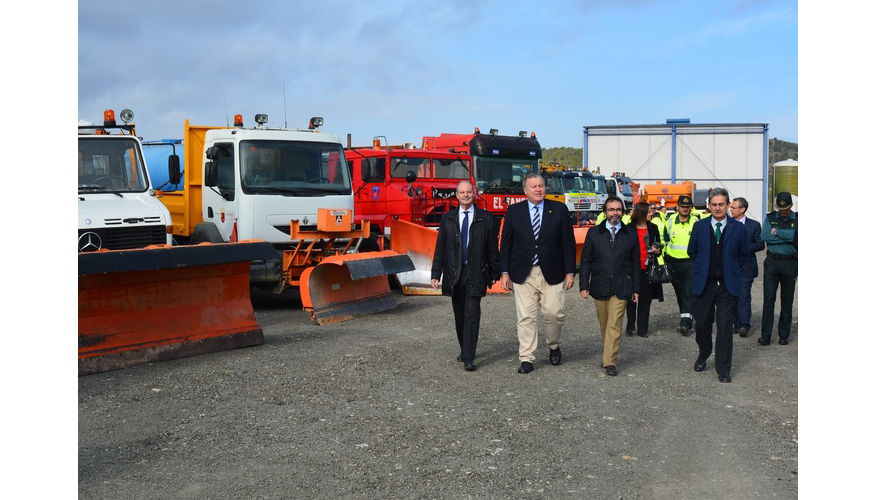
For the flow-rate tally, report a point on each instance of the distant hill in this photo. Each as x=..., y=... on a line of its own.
x=567, y=157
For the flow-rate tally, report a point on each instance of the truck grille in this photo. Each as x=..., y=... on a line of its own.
x=580, y=205
x=122, y=238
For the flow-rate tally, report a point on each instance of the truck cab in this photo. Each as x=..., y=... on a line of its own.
x=577, y=188
x=249, y=183
x=620, y=185
x=501, y=163
x=117, y=208
x=403, y=183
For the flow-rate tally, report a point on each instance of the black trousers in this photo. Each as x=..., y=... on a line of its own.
x=715, y=303
x=639, y=313
x=466, y=311
x=778, y=272
x=682, y=282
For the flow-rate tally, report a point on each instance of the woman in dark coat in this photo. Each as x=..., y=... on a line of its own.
x=650, y=244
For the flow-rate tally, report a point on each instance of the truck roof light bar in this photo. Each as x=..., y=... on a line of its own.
x=493, y=131
x=126, y=115
x=261, y=118
x=316, y=122
x=238, y=120
x=523, y=134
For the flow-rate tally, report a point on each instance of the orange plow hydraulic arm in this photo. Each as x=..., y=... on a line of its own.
x=161, y=303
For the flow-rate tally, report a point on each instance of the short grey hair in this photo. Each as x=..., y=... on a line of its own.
x=464, y=181
x=742, y=203
x=718, y=192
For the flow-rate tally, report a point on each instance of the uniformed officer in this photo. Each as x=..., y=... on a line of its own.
x=677, y=236
x=780, y=268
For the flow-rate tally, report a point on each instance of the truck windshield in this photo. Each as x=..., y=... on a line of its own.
x=419, y=166
x=599, y=183
x=293, y=167
x=112, y=164
x=625, y=188
x=554, y=184
x=502, y=175
x=578, y=185
x=451, y=169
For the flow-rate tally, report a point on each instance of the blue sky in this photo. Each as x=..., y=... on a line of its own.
x=405, y=69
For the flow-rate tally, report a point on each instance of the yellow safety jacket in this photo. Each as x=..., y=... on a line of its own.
x=626, y=219
x=660, y=225
x=677, y=235
x=600, y=218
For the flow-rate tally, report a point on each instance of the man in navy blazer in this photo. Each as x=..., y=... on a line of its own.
x=536, y=257
x=719, y=248
x=738, y=211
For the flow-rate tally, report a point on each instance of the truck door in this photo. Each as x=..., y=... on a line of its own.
x=372, y=197
x=221, y=202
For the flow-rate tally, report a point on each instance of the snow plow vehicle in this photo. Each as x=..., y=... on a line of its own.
x=140, y=298
x=290, y=188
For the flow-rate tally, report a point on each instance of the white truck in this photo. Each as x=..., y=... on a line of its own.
x=118, y=209
x=258, y=183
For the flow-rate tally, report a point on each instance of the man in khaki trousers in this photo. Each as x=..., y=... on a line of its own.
x=536, y=257
x=610, y=272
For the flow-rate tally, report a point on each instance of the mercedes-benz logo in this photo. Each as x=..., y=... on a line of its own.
x=89, y=242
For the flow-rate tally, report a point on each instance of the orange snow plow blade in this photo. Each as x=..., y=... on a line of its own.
x=417, y=242
x=579, y=238
x=162, y=303
x=343, y=287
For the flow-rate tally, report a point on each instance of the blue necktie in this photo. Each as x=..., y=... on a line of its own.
x=536, y=228
x=465, y=238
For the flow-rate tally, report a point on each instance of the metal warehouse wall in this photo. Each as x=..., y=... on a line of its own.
x=731, y=156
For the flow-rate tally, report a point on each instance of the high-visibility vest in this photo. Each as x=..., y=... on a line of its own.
x=626, y=219
x=678, y=234
x=660, y=225
x=600, y=218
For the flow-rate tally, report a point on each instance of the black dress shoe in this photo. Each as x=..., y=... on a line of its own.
x=525, y=367
x=611, y=370
x=724, y=378
x=783, y=342
x=470, y=367
x=760, y=341
x=629, y=333
x=459, y=358
x=643, y=335
x=555, y=356
x=742, y=332
x=699, y=365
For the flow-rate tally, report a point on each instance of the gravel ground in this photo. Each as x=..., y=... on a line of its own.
x=378, y=407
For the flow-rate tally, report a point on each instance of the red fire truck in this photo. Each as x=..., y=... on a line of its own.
x=403, y=183
x=501, y=163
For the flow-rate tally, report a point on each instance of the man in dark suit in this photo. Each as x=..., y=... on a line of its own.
x=537, y=262
x=738, y=211
x=718, y=248
x=466, y=255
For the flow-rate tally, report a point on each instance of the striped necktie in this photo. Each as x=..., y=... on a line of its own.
x=536, y=228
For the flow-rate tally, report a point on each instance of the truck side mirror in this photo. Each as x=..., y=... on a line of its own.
x=410, y=177
x=211, y=153
x=211, y=174
x=173, y=171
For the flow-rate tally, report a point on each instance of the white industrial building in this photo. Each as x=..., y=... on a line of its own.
x=734, y=156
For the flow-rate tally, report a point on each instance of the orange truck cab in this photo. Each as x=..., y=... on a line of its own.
x=403, y=183
x=500, y=163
